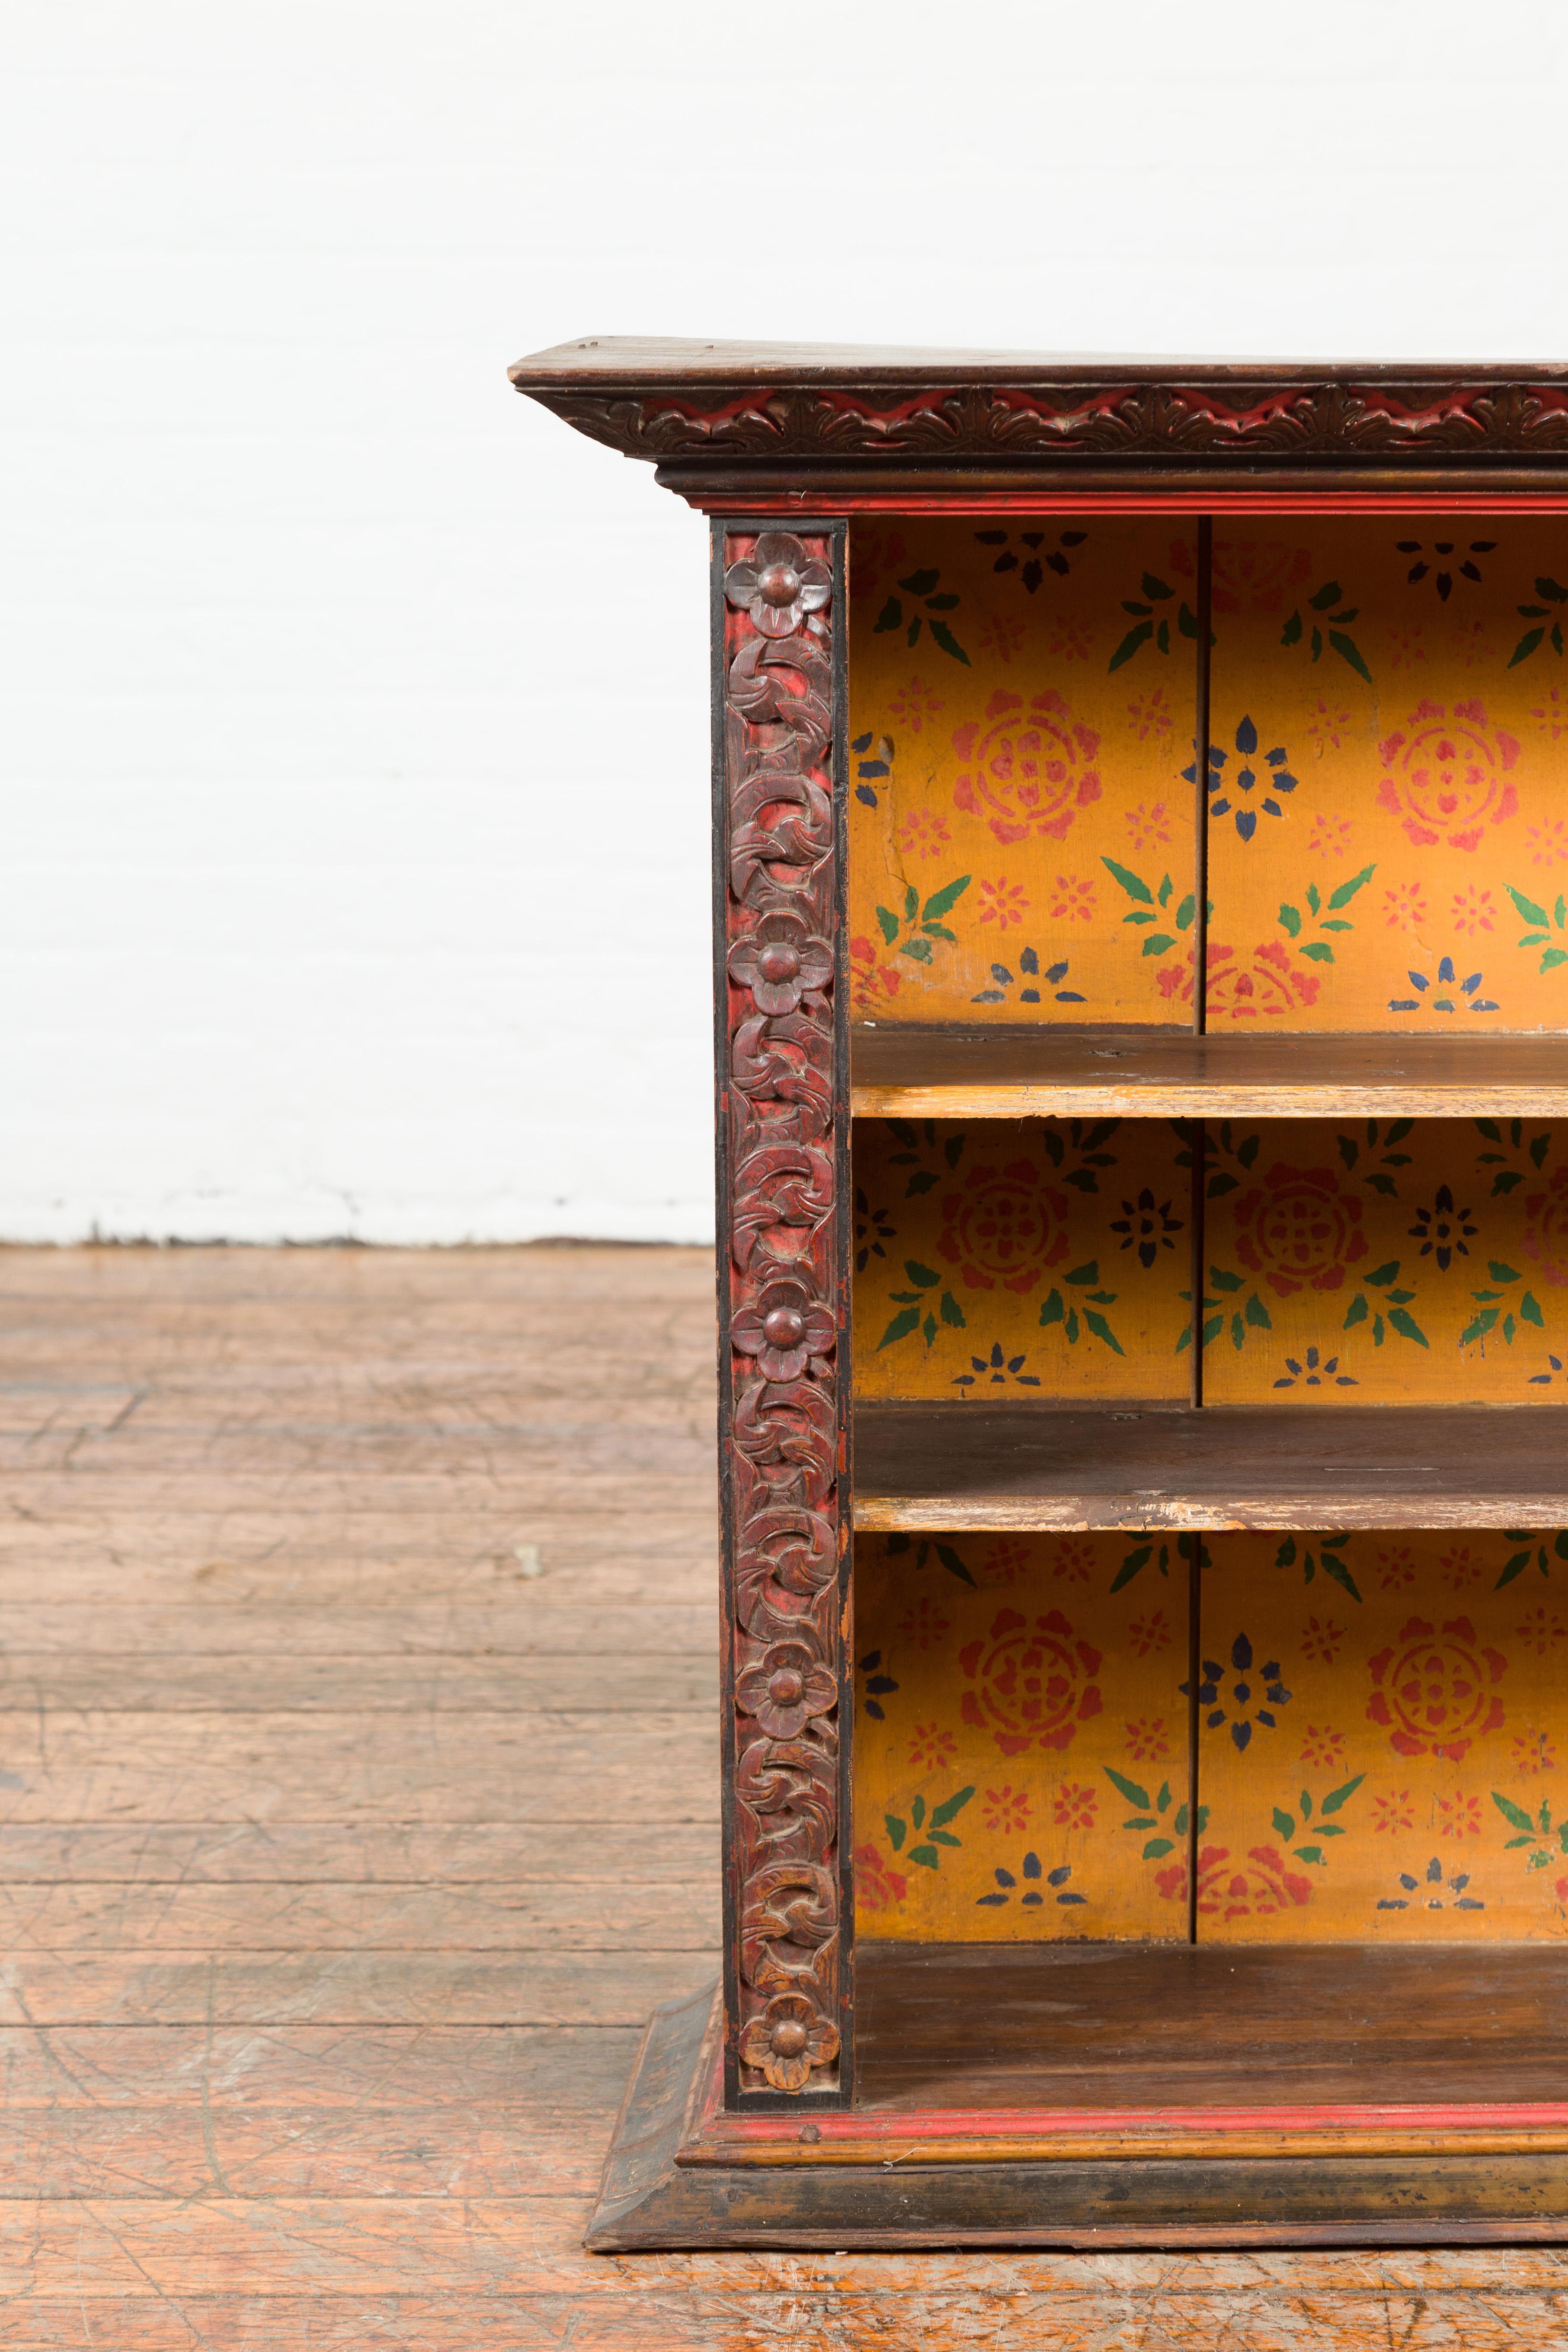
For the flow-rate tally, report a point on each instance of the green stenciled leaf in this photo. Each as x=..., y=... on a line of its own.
x=1515, y=1815
x=1539, y=1150
x=1185, y=912
x=911, y=903
x=1157, y=943
x=1131, y=883
x=1319, y=951
x=1053, y=1311
x=1341, y=1795
x=1552, y=958
x=926, y=1855
x=1307, y=1853
x=1101, y=1330
x=1158, y=1846
x=1505, y=1180
x=1329, y=594
x=1347, y=890
x=1258, y=1314
x=1164, y=891
x=949, y=643
x=1336, y=923
x=1532, y=914
x=920, y=583
x=1129, y=1789
x=924, y=1180
x=946, y=603
x=1349, y=1149
x=954, y=1567
x=1291, y=633
x=1317, y=643
x=1312, y=898
x=1290, y=920
x=1141, y=1821
x=942, y=902
x=1162, y=636
x=1130, y=1565
x=1550, y=588
x=895, y=1831
x=902, y=1324
x=1348, y=652
x=1180, y=1824
x=1384, y=1184
x=918, y=1813
x=1386, y=1273
x=1524, y=648
x=889, y=617
x=1530, y=1309
x=1357, y=1312
x=1224, y=1281
x=1501, y=1273
x=1285, y=1824
x=1515, y=1567
x=943, y=1813
x=1139, y=635
x=918, y=950
x=1154, y=588
x=1478, y=1328
x=1212, y=1328
x=943, y=1837
x=939, y=932
x=925, y=1275
x=1070, y=1327
x=1219, y=1183
x=1083, y=1276
x=1187, y=621
x=1340, y=1572
x=912, y=635
x=889, y=924
x=951, y=1312
x=1306, y=1807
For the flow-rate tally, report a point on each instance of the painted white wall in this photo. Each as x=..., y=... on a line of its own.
x=354, y=742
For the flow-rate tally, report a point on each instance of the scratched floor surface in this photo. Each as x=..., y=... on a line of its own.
x=358, y=1799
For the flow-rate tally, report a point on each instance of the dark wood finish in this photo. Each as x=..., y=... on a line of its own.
x=783, y=1308
x=648, y=2199
x=1287, y=1465
x=1041, y=1070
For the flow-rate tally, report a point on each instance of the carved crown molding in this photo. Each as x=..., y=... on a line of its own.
x=1307, y=422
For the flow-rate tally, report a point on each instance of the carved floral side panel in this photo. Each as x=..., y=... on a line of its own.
x=1021, y=1736
x=1381, y=1744
x=1386, y=1262
x=1011, y=1260
x=785, y=1407
x=1388, y=773
x=1021, y=703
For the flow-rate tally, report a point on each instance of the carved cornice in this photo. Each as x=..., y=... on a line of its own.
x=1304, y=423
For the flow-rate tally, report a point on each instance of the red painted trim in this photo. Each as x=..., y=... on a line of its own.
x=1079, y=2123
x=821, y=495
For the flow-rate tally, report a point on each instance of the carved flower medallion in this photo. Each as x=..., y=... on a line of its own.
x=778, y=584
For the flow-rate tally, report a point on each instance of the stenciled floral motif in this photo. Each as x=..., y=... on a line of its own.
x=784, y=1329
x=1548, y=842
x=1453, y=1897
x=1321, y=1640
x=1458, y=1815
x=1006, y=1810
x=1071, y=1559
x=1148, y=824
x=878, y=1885
x=779, y=962
x=1323, y=1750
x=1262, y=1887
x=787, y=2041
x=1406, y=907
x=1002, y=902
x=1261, y=986
x=1462, y=1566
x=1546, y=1228
x=872, y=984
x=1474, y=911
x=914, y=705
x=1074, y=1806
x=1003, y=1225
x=931, y=1749
x=1003, y=1561
x=1244, y=780
x=1396, y=1567
x=1243, y=1698
x=923, y=834
x=1541, y=1630
x=1533, y=1753
x=1149, y=1633
x=1031, y=772
x=1145, y=1227
x=1298, y=1230
x=1033, y=1682
x=778, y=584
x=1393, y=1812
x=1443, y=1232
x=1072, y=899
x=1329, y=836
x=1147, y=1739
x=1033, y=1869
x=1445, y=775
x=924, y=1623
x=1434, y=1689
x=785, y=1688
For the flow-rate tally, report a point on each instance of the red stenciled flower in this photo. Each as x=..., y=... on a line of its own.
x=783, y=1328
x=1004, y=1225
x=1259, y=1888
x=778, y=584
x=1034, y=1682
x=1073, y=1806
x=787, y=2041
x=1032, y=771
x=871, y=984
x=1458, y=1816
x=1257, y=988
x=1004, y=1562
x=1299, y=1231
x=779, y=962
x=1546, y=1228
x=923, y=1623
x=1323, y=1750
x=931, y=1747
x=1394, y=1812
x=1257, y=574
x=1146, y=1738
x=1444, y=774
x=878, y=1885
x=1007, y=1809
x=1434, y=1690
x=785, y=1688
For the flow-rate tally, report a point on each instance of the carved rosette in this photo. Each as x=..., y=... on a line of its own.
x=784, y=1325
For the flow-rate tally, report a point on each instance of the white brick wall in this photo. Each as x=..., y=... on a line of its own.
x=354, y=737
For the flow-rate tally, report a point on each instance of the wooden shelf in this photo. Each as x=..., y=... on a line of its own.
x=1022, y=1466
x=989, y=2053
x=1019, y=1072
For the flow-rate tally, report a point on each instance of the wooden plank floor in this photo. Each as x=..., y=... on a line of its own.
x=344, y=1854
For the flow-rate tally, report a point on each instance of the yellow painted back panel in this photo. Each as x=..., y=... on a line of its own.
x=1020, y=1737
x=1389, y=774
x=1020, y=834
x=1021, y=1260
x=1387, y=1262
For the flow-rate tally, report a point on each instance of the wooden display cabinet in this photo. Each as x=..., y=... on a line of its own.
x=1140, y=849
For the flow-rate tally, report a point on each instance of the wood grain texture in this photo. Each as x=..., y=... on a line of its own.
x=1285, y=1466
x=1034, y=1071
x=403, y=2182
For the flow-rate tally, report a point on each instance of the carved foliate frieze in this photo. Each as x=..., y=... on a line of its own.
x=785, y=1310
x=1325, y=423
